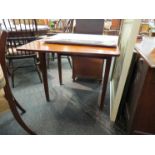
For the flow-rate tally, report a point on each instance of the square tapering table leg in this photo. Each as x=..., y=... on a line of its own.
x=104, y=83
x=59, y=68
x=43, y=67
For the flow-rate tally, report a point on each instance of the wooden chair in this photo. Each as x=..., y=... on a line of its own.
x=68, y=28
x=20, y=32
x=13, y=104
x=61, y=26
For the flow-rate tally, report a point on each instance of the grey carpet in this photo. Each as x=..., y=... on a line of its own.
x=72, y=110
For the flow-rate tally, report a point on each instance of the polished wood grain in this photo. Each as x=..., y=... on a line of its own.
x=140, y=100
x=81, y=65
x=77, y=50
x=72, y=50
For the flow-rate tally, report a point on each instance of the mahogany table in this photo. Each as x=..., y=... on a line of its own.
x=71, y=50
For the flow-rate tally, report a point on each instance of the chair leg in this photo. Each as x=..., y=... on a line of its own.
x=7, y=67
x=69, y=61
x=19, y=107
x=8, y=71
x=53, y=56
x=18, y=117
x=12, y=79
x=37, y=69
x=14, y=111
x=12, y=72
x=48, y=59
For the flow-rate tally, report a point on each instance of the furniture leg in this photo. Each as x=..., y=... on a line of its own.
x=8, y=66
x=105, y=81
x=69, y=61
x=37, y=68
x=8, y=71
x=59, y=68
x=12, y=104
x=73, y=73
x=19, y=106
x=48, y=59
x=12, y=73
x=7, y=88
x=12, y=79
x=42, y=57
x=53, y=56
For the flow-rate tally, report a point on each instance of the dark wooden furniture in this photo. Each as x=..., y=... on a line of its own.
x=116, y=24
x=20, y=32
x=88, y=67
x=114, y=28
x=140, y=100
x=72, y=50
x=13, y=103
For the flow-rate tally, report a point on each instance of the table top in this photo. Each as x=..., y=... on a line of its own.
x=146, y=48
x=68, y=49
